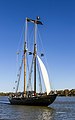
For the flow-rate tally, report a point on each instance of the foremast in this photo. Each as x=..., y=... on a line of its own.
x=25, y=39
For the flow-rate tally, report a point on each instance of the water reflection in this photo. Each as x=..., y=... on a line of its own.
x=41, y=113
x=15, y=112
x=62, y=109
x=45, y=114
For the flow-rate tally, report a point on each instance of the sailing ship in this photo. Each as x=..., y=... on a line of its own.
x=33, y=97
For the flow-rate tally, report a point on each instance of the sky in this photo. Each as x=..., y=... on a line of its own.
x=58, y=17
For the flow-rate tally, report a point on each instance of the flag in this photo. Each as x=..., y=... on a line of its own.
x=42, y=54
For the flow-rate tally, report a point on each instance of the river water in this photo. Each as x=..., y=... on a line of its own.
x=62, y=109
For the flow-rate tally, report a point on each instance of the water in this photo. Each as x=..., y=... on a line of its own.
x=62, y=109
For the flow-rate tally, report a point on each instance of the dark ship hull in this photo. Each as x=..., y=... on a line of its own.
x=33, y=101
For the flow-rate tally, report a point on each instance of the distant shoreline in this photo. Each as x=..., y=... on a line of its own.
x=65, y=92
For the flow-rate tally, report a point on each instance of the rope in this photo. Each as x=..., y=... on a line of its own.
x=19, y=75
x=40, y=84
x=30, y=74
x=45, y=54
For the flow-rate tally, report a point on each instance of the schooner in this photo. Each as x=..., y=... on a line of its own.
x=32, y=97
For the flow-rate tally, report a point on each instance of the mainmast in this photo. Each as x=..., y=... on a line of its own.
x=25, y=38
x=35, y=31
x=35, y=50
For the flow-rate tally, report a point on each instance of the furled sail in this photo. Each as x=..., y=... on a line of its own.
x=45, y=75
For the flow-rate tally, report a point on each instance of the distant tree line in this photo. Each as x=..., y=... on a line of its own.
x=5, y=94
x=65, y=92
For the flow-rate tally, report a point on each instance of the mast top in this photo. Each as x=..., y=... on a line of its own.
x=38, y=18
x=35, y=21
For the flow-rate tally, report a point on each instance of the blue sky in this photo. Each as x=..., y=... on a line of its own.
x=58, y=17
